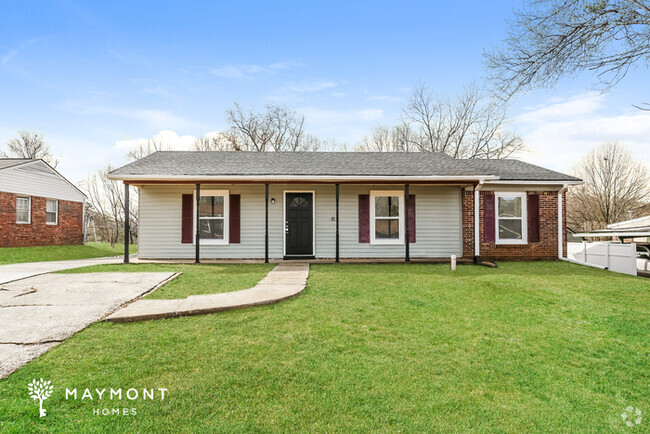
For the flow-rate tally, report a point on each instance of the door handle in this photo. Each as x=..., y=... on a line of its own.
x=286, y=227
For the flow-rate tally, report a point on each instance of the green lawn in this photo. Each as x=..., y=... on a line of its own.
x=540, y=347
x=196, y=279
x=15, y=255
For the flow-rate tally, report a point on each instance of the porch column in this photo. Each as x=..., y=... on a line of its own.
x=127, y=226
x=337, y=222
x=197, y=239
x=266, y=225
x=477, y=232
x=407, y=253
x=560, y=225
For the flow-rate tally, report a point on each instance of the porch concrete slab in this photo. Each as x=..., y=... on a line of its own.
x=12, y=272
x=284, y=281
x=39, y=312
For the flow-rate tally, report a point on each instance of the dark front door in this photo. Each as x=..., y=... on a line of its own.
x=299, y=225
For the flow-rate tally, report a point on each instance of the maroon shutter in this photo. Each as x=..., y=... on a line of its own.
x=186, y=218
x=488, y=217
x=411, y=217
x=533, y=218
x=364, y=218
x=235, y=218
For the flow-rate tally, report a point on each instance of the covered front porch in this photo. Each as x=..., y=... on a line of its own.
x=382, y=221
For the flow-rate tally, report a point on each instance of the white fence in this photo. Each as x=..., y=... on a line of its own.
x=613, y=256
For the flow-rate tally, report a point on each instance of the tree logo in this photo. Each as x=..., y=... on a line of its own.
x=40, y=390
x=632, y=416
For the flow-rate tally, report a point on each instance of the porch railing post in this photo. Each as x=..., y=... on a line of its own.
x=127, y=226
x=407, y=253
x=266, y=224
x=337, y=222
x=197, y=238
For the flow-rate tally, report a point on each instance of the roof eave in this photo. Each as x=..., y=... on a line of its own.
x=280, y=178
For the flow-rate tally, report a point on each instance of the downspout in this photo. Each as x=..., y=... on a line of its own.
x=477, y=247
x=560, y=223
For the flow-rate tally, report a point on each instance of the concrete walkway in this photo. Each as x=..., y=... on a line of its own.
x=40, y=312
x=11, y=272
x=284, y=281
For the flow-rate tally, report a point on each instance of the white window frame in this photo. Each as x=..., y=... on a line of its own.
x=381, y=193
x=56, y=210
x=29, y=210
x=524, y=218
x=226, y=217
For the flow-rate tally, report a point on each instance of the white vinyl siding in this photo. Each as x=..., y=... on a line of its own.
x=438, y=222
x=36, y=179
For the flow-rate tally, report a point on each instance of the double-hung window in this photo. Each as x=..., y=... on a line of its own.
x=51, y=211
x=23, y=210
x=213, y=217
x=387, y=217
x=511, y=226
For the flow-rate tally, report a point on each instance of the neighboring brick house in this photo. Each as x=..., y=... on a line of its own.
x=38, y=206
x=345, y=205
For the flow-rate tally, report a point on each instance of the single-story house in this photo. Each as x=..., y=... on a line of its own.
x=38, y=206
x=337, y=205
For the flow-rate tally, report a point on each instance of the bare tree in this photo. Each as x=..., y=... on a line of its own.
x=106, y=206
x=30, y=145
x=152, y=145
x=275, y=129
x=470, y=126
x=217, y=142
x=549, y=39
x=614, y=185
x=386, y=139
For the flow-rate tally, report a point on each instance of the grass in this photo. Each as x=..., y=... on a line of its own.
x=538, y=347
x=195, y=280
x=15, y=255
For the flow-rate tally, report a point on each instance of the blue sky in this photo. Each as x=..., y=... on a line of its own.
x=95, y=77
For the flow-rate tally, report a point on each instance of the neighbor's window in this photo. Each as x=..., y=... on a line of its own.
x=511, y=218
x=23, y=209
x=213, y=223
x=52, y=211
x=386, y=217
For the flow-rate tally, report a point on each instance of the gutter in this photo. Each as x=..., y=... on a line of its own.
x=306, y=178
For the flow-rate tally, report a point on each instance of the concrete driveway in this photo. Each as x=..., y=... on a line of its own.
x=40, y=312
x=11, y=272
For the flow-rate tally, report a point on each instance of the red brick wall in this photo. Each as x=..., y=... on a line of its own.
x=545, y=249
x=37, y=233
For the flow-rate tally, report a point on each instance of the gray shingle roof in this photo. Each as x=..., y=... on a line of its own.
x=214, y=163
x=516, y=170
x=9, y=162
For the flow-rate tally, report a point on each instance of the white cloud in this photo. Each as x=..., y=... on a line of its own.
x=347, y=126
x=168, y=137
x=251, y=70
x=154, y=118
x=559, y=133
x=295, y=91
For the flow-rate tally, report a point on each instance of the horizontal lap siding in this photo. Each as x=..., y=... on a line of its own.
x=33, y=180
x=438, y=222
x=160, y=224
